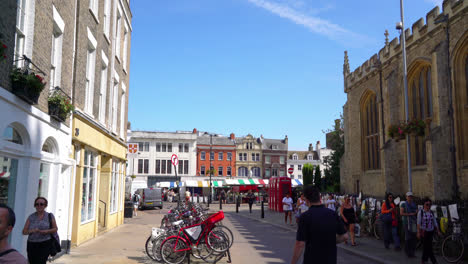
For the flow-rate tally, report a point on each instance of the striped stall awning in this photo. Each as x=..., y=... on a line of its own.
x=5, y=175
x=247, y=182
x=296, y=182
x=168, y=184
x=203, y=183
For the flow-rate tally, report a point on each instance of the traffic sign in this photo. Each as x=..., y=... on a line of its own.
x=132, y=148
x=174, y=159
x=290, y=170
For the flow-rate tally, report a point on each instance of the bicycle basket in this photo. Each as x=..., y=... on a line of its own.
x=215, y=218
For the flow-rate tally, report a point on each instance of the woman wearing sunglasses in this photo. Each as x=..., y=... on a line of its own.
x=38, y=228
x=390, y=223
x=427, y=224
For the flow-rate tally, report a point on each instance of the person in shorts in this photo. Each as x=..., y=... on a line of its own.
x=136, y=202
x=288, y=208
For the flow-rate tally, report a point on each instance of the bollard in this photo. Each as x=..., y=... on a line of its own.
x=203, y=199
x=237, y=205
x=198, y=198
x=263, y=211
x=220, y=204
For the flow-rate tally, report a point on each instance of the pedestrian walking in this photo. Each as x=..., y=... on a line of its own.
x=408, y=211
x=170, y=195
x=427, y=225
x=187, y=196
x=250, y=199
x=390, y=223
x=319, y=230
x=8, y=255
x=136, y=198
x=349, y=218
x=223, y=196
x=330, y=203
x=39, y=226
x=288, y=208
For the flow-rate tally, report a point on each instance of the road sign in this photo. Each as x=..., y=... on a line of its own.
x=290, y=170
x=132, y=148
x=174, y=159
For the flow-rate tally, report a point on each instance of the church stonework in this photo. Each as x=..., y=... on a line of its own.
x=373, y=162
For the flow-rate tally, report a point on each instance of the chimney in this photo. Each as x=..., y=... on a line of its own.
x=232, y=136
x=286, y=139
x=318, y=146
x=194, y=131
x=311, y=148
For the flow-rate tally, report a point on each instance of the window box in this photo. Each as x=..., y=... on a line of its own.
x=60, y=106
x=27, y=85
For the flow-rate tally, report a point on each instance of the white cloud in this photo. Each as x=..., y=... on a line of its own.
x=287, y=9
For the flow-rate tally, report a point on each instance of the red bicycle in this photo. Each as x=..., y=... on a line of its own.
x=202, y=240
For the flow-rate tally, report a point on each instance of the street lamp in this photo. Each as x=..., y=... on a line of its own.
x=401, y=26
x=211, y=164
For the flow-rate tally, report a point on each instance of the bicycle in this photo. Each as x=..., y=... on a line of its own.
x=202, y=240
x=453, y=245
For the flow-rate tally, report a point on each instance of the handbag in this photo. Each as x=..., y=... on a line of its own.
x=386, y=218
x=54, y=238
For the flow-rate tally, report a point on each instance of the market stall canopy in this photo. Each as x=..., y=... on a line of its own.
x=296, y=182
x=246, y=182
x=168, y=184
x=203, y=183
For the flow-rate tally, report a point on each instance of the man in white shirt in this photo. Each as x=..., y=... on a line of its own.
x=287, y=208
x=330, y=203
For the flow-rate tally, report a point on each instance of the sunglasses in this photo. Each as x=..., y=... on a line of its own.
x=427, y=204
x=39, y=204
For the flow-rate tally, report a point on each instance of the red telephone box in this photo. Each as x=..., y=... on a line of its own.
x=279, y=187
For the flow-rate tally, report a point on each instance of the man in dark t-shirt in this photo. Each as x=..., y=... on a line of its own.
x=319, y=230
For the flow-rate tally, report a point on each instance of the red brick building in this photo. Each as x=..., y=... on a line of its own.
x=218, y=152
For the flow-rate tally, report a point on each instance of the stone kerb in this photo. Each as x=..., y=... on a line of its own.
x=418, y=30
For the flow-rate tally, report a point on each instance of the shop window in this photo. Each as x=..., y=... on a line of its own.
x=44, y=175
x=88, y=201
x=114, y=187
x=8, y=173
x=12, y=135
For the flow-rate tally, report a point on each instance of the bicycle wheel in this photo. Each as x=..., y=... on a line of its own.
x=227, y=231
x=149, y=248
x=170, y=251
x=378, y=229
x=157, y=247
x=218, y=241
x=453, y=248
x=204, y=252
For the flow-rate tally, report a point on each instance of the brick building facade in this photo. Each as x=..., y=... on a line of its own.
x=217, y=152
x=275, y=152
x=374, y=163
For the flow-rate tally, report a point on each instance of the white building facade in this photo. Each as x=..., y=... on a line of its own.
x=297, y=160
x=152, y=163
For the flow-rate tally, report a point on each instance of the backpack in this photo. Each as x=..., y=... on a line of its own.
x=135, y=198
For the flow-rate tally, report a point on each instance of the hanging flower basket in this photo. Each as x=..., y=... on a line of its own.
x=27, y=86
x=416, y=127
x=60, y=106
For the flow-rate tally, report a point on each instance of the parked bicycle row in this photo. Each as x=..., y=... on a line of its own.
x=189, y=230
x=401, y=220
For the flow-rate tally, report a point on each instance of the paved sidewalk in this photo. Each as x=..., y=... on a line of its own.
x=368, y=247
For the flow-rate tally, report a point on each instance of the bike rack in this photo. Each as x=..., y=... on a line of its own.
x=228, y=253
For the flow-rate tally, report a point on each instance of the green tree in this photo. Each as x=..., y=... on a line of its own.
x=318, y=178
x=335, y=138
x=308, y=174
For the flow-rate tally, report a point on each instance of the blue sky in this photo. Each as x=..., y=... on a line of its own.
x=270, y=67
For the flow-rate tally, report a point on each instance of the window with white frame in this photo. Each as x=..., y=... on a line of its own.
x=90, y=69
x=256, y=171
x=253, y=156
x=143, y=166
x=299, y=167
x=202, y=155
x=169, y=147
x=122, y=114
x=229, y=156
x=228, y=171
x=186, y=147
x=267, y=173
x=94, y=5
x=56, y=51
x=220, y=171
x=181, y=147
x=103, y=89
x=125, y=47
x=291, y=166
x=107, y=16
x=117, y=33
x=309, y=157
x=267, y=159
x=282, y=172
x=274, y=172
x=114, y=187
x=295, y=157
x=20, y=34
x=202, y=170
x=212, y=155
x=245, y=156
x=242, y=172
x=115, y=95
x=88, y=200
x=281, y=159
x=257, y=157
x=240, y=157
x=220, y=156
x=143, y=146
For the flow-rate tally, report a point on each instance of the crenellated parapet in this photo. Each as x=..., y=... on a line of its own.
x=418, y=31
